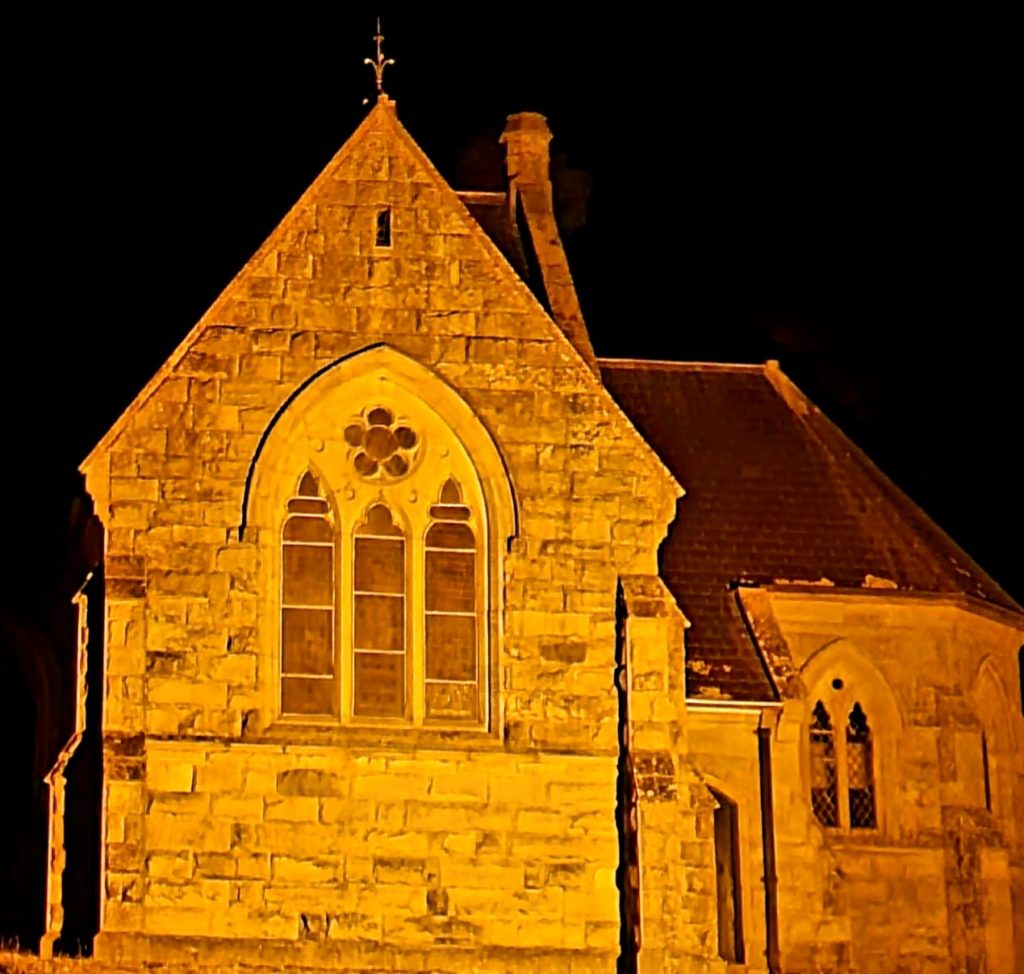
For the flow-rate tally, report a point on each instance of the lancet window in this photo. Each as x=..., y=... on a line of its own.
x=824, y=783
x=379, y=624
x=842, y=770
x=452, y=671
x=859, y=771
x=309, y=666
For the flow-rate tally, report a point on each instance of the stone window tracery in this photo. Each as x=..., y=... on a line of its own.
x=383, y=605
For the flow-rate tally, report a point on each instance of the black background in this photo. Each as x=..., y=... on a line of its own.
x=840, y=194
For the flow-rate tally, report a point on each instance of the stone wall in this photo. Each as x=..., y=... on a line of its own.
x=335, y=844
x=933, y=887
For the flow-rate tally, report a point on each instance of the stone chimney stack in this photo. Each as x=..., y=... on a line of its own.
x=527, y=139
x=527, y=158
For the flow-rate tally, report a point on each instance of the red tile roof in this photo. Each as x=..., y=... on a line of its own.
x=774, y=491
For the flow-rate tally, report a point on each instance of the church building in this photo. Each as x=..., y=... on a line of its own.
x=424, y=639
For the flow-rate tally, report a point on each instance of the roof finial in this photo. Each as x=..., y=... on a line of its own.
x=381, y=62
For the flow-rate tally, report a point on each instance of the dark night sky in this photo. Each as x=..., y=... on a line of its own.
x=841, y=195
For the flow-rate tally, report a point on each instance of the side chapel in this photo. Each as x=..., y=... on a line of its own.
x=431, y=641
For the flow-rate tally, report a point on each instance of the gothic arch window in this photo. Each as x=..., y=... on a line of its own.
x=386, y=566
x=842, y=770
x=405, y=612
x=824, y=779
x=379, y=626
x=998, y=745
x=860, y=775
x=849, y=732
x=451, y=644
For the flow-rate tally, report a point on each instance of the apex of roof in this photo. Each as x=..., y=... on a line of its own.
x=379, y=147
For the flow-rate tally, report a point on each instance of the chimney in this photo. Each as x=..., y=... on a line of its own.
x=526, y=139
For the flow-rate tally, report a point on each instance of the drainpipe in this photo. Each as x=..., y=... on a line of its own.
x=771, y=879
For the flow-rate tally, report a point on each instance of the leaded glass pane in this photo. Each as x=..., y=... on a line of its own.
x=451, y=581
x=379, y=685
x=824, y=788
x=308, y=572
x=380, y=565
x=451, y=647
x=859, y=770
x=308, y=697
x=452, y=701
x=380, y=623
x=307, y=646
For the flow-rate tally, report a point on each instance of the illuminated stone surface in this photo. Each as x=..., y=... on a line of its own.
x=470, y=823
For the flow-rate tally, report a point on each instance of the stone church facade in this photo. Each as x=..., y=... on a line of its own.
x=430, y=641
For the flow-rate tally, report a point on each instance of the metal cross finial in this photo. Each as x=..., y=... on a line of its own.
x=381, y=62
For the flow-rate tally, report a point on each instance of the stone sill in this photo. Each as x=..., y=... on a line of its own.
x=240, y=953
x=283, y=737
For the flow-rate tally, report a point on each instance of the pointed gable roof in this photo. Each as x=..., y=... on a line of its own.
x=775, y=493
x=301, y=274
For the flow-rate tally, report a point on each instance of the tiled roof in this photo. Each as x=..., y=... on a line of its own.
x=774, y=492
x=491, y=211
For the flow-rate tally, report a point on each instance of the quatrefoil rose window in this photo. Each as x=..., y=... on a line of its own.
x=382, y=445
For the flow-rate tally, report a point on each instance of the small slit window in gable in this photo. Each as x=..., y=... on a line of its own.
x=384, y=227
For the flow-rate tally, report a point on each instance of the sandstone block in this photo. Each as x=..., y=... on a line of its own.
x=291, y=809
x=306, y=871
x=169, y=776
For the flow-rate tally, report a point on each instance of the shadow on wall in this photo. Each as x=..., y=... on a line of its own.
x=23, y=834
x=80, y=887
x=39, y=674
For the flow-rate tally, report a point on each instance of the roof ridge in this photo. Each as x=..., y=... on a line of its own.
x=668, y=364
x=483, y=195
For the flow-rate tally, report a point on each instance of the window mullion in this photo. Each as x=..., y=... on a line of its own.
x=345, y=619
x=416, y=623
x=842, y=778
